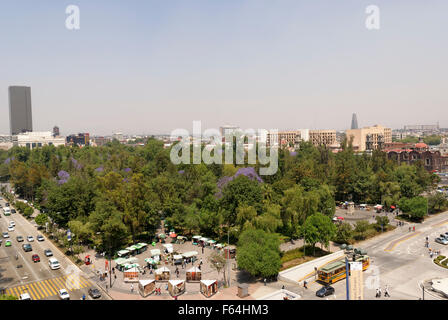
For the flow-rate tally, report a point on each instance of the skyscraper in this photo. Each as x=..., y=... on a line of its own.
x=20, y=118
x=354, y=122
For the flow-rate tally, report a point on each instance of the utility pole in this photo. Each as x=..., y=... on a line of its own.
x=228, y=257
x=347, y=281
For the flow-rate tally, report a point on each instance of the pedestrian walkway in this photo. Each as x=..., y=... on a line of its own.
x=46, y=288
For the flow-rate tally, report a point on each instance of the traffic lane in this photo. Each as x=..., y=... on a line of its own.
x=40, y=270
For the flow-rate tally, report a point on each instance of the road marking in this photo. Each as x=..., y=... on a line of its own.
x=46, y=288
x=395, y=243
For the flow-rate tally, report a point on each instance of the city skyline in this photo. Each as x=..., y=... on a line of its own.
x=148, y=68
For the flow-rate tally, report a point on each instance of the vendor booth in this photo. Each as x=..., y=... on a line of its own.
x=119, y=263
x=131, y=275
x=128, y=266
x=219, y=246
x=176, y=287
x=190, y=256
x=162, y=237
x=151, y=261
x=123, y=253
x=211, y=243
x=177, y=259
x=140, y=247
x=203, y=241
x=181, y=239
x=230, y=252
x=195, y=239
x=209, y=287
x=168, y=247
x=194, y=274
x=162, y=274
x=155, y=254
x=132, y=250
x=146, y=287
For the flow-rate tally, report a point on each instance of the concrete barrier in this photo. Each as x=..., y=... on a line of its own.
x=303, y=271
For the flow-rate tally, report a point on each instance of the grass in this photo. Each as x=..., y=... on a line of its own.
x=441, y=261
x=296, y=257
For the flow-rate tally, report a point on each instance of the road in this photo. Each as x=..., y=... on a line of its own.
x=400, y=260
x=37, y=279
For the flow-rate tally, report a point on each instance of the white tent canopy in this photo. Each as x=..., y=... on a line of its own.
x=155, y=252
x=197, y=237
x=146, y=282
x=177, y=257
x=162, y=269
x=194, y=269
x=176, y=282
x=190, y=254
x=169, y=247
x=203, y=239
x=208, y=282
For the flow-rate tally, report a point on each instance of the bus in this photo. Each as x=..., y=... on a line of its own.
x=335, y=271
x=6, y=211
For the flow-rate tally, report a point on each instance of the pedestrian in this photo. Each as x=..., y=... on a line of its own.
x=304, y=284
x=414, y=228
x=283, y=287
x=202, y=249
x=132, y=288
x=115, y=277
x=113, y=270
x=409, y=228
x=200, y=262
x=386, y=291
x=265, y=281
x=379, y=292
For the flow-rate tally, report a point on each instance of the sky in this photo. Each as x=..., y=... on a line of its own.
x=149, y=67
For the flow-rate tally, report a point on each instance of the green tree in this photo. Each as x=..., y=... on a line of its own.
x=258, y=253
x=41, y=219
x=344, y=233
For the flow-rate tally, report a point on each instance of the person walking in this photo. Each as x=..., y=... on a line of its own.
x=202, y=249
x=265, y=281
x=304, y=284
x=386, y=291
x=132, y=287
x=379, y=292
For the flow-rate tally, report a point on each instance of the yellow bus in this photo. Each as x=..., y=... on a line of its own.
x=335, y=271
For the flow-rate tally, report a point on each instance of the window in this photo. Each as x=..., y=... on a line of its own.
x=428, y=161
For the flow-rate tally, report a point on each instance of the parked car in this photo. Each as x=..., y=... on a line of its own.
x=25, y=296
x=12, y=224
x=48, y=253
x=325, y=291
x=40, y=238
x=53, y=263
x=19, y=239
x=8, y=243
x=10, y=228
x=94, y=293
x=443, y=241
x=5, y=235
x=35, y=258
x=13, y=211
x=30, y=238
x=27, y=247
x=63, y=294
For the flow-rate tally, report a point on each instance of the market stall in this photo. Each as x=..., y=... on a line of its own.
x=119, y=263
x=151, y=261
x=211, y=243
x=131, y=275
x=177, y=259
x=219, y=246
x=168, y=248
x=132, y=250
x=155, y=254
x=128, y=266
x=203, y=241
x=181, y=239
x=194, y=274
x=162, y=274
x=176, y=287
x=190, y=256
x=146, y=287
x=161, y=237
x=195, y=239
x=209, y=287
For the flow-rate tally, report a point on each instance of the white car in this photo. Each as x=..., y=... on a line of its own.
x=10, y=228
x=30, y=238
x=63, y=294
x=5, y=235
x=25, y=296
x=441, y=240
x=12, y=224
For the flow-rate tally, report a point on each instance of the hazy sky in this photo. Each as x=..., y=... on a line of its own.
x=151, y=66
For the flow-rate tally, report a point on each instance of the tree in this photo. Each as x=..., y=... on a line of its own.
x=258, y=253
x=344, y=233
x=218, y=263
x=41, y=219
x=318, y=228
x=28, y=212
x=437, y=202
x=381, y=222
x=361, y=228
x=415, y=207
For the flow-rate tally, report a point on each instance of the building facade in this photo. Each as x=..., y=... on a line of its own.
x=369, y=138
x=20, y=115
x=323, y=137
x=81, y=139
x=33, y=140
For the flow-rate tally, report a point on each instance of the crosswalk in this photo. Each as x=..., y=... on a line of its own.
x=46, y=288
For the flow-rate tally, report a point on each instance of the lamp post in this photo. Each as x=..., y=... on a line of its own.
x=347, y=282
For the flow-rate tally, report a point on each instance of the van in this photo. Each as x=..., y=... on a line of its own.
x=53, y=263
x=7, y=211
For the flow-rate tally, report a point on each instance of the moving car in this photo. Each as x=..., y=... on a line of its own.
x=94, y=293
x=30, y=238
x=27, y=247
x=63, y=294
x=10, y=228
x=40, y=238
x=441, y=240
x=325, y=291
x=53, y=263
x=5, y=235
x=19, y=239
x=25, y=296
x=8, y=243
x=48, y=253
x=35, y=258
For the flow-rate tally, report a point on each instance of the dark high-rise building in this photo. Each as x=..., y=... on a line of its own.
x=354, y=122
x=20, y=118
x=55, y=131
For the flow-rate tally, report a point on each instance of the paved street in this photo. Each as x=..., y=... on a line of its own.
x=36, y=278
